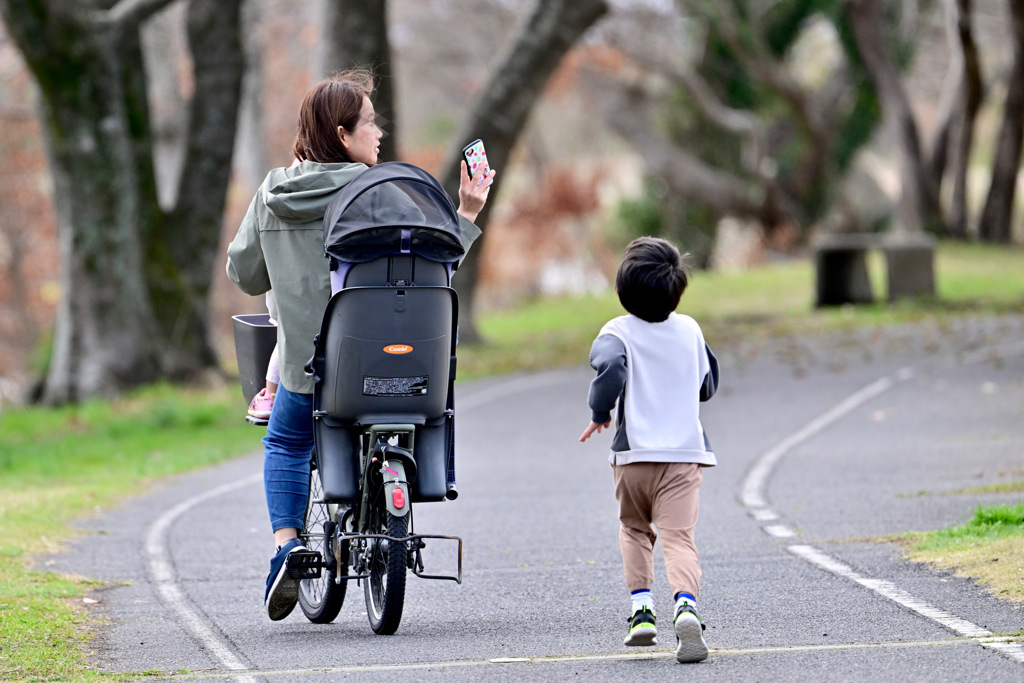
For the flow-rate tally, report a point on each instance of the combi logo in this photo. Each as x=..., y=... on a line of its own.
x=398, y=349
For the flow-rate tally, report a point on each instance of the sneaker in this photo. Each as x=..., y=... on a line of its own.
x=642, y=631
x=282, y=590
x=690, y=645
x=262, y=404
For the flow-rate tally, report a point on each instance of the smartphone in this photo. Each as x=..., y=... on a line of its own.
x=476, y=157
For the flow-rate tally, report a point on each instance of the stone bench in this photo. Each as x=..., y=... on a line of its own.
x=841, y=269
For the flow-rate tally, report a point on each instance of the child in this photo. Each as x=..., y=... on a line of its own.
x=655, y=363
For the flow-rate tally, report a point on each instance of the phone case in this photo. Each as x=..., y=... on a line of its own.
x=476, y=157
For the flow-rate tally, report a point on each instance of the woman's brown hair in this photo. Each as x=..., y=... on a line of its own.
x=333, y=102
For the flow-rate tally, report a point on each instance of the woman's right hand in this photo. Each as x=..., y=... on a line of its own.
x=473, y=192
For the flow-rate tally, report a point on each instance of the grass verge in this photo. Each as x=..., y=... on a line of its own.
x=57, y=465
x=989, y=549
x=61, y=464
x=770, y=301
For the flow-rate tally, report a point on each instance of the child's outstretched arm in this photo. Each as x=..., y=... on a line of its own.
x=593, y=427
x=608, y=357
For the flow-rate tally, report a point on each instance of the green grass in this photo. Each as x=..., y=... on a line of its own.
x=989, y=548
x=60, y=464
x=988, y=523
x=769, y=301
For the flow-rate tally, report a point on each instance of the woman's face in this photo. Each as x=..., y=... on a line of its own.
x=363, y=139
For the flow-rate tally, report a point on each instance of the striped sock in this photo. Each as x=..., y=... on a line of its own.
x=642, y=598
x=685, y=598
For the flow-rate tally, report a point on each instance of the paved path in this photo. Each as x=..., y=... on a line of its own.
x=823, y=444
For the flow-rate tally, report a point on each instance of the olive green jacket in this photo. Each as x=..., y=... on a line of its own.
x=280, y=246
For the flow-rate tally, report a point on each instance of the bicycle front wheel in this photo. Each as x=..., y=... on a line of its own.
x=321, y=599
x=385, y=587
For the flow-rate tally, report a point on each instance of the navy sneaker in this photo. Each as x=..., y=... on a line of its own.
x=690, y=645
x=642, y=631
x=282, y=590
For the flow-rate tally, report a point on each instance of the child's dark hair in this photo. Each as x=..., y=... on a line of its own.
x=651, y=278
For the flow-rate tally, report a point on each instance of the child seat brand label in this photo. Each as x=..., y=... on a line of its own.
x=395, y=386
x=398, y=349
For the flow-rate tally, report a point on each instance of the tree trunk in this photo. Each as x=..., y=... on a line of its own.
x=919, y=205
x=134, y=281
x=180, y=270
x=251, y=154
x=997, y=216
x=106, y=332
x=356, y=35
x=500, y=112
x=972, y=94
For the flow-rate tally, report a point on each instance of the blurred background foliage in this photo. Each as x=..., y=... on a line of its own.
x=740, y=129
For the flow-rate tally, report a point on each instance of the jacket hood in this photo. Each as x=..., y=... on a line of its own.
x=301, y=194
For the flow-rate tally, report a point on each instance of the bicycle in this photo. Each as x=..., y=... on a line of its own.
x=383, y=403
x=374, y=537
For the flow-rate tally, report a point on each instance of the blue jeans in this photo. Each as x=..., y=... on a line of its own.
x=288, y=447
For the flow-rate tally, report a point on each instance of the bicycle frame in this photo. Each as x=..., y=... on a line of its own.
x=386, y=451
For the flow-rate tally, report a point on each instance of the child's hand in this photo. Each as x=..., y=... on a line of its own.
x=593, y=427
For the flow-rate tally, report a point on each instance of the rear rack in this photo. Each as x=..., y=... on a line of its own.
x=417, y=568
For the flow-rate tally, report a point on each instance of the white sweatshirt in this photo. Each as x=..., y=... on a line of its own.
x=659, y=373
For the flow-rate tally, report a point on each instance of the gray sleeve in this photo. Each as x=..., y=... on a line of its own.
x=468, y=233
x=247, y=266
x=608, y=357
x=710, y=386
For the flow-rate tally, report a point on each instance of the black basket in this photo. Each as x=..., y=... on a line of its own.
x=255, y=339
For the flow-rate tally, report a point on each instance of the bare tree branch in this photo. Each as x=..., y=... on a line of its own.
x=125, y=14
x=501, y=110
x=949, y=100
x=997, y=214
x=739, y=122
x=629, y=113
x=972, y=94
x=755, y=56
x=919, y=206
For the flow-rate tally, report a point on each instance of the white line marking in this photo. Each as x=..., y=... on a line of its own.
x=888, y=590
x=755, y=499
x=754, y=485
x=1014, y=651
x=162, y=569
x=164, y=579
x=505, y=662
x=779, y=531
x=764, y=515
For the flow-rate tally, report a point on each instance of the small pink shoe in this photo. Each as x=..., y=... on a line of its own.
x=262, y=404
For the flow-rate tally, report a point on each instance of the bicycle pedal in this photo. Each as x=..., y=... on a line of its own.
x=304, y=564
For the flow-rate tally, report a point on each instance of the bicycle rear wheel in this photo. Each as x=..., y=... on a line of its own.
x=321, y=599
x=385, y=587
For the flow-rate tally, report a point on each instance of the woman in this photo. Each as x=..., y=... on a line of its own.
x=280, y=246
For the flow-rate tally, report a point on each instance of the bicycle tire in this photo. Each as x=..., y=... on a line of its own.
x=385, y=588
x=321, y=599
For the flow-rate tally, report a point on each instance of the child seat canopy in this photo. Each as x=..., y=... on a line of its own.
x=392, y=208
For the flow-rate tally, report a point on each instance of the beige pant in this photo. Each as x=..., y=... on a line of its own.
x=666, y=495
